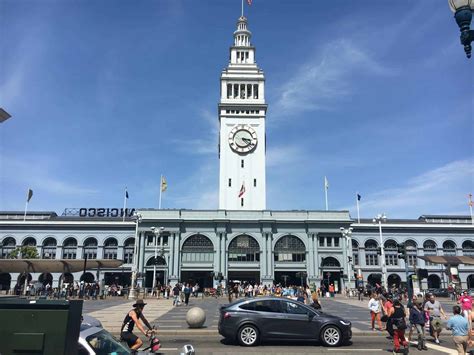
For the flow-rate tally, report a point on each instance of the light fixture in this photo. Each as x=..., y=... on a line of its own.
x=463, y=15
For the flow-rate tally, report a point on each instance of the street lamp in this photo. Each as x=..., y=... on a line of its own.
x=347, y=234
x=463, y=14
x=138, y=219
x=378, y=219
x=157, y=232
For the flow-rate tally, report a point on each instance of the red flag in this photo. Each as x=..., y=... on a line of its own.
x=242, y=190
x=249, y=2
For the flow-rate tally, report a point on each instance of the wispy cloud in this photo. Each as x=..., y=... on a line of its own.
x=324, y=79
x=442, y=190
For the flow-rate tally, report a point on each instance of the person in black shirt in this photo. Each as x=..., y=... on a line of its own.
x=133, y=317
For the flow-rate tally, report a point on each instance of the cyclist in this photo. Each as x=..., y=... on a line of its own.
x=133, y=317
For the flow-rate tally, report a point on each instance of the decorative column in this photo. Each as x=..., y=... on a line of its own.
x=317, y=270
x=176, y=259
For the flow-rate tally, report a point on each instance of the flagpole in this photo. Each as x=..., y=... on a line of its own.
x=242, y=8
x=125, y=204
x=470, y=207
x=326, y=192
x=357, y=201
x=161, y=189
x=26, y=205
x=26, y=208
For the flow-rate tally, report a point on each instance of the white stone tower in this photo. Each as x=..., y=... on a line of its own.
x=242, y=112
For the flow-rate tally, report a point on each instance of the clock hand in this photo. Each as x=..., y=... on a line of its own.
x=246, y=140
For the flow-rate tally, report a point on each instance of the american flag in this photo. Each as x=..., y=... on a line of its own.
x=249, y=2
x=242, y=191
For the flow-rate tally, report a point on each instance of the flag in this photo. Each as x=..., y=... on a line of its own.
x=358, y=197
x=326, y=183
x=249, y=2
x=164, y=184
x=30, y=195
x=242, y=190
x=470, y=201
x=126, y=193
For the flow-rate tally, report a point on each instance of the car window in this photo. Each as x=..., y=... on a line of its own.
x=248, y=306
x=267, y=306
x=104, y=344
x=293, y=308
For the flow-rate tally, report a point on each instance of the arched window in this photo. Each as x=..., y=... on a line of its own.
x=391, y=252
x=429, y=249
x=49, y=248
x=8, y=245
x=30, y=242
x=449, y=248
x=468, y=248
x=244, y=249
x=70, y=248
x=110, y=248
x=290, y=249
x=330, y=262
x=411, y=248
x=90, y=248
x=160, y=261
x=197, y=249
x=355, y=252
x=371, y=255
x=128, y=249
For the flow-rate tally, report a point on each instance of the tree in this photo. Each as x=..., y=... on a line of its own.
x=24, y=252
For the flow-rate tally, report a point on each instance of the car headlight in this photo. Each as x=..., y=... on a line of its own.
x=345, y=323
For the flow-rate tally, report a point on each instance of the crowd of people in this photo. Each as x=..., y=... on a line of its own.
x=425, y=315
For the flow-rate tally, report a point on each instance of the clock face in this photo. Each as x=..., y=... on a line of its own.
x=242, y=139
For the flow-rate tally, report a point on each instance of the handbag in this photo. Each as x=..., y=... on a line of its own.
x=399, y=323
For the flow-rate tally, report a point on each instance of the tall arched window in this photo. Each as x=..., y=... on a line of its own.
x=110, y=248
x=30, y=242
x=411, y=248
x=468, y=248
x=90, y=248
x=244, y=249
x=429, y=249
x=49, y=248
x=391, y=252
x=128, y=249
x=355, y=252
x=290, y=249
x=70, y=248
x=197, y=248
x=449, y=248
x=8, y=245
x=371, y=256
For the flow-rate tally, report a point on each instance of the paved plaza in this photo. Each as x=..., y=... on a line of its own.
x=174, y=331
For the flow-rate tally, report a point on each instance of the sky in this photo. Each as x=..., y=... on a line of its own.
x=375, y=95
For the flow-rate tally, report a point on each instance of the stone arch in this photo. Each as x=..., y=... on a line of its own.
x=197, y=248
x=46, y=278
x=8, y=245
x=160, y=261
x=244, y=248
x=449, y=248
x=330, y=262
x=29, y=241
x=48, y=250
x=468, y=248
x=355, y=244
x=110, y=248
x=90, y=248
x=87, y=277
x=128, y=250
x=470, y=281
x=371, y=243
x=67, y=277
x=434, y=281
x=394, y=279
x=70, y=242
x=430, y=244
x=199, y=240
x=301, y=239
x=374, y=279
x=69, y=248
x=5, y=281
x=390, y=244
x=289, y=248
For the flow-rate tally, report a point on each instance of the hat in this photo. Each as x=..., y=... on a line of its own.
x=139, y=303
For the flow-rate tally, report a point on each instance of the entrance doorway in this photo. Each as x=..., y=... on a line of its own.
x=118, y=278
x=290, y=278
x=5, y=281
x=374, y=279
x=251, y=277
x=434, y=281
x=160, y=277
x=203, y=278
x=334, y=278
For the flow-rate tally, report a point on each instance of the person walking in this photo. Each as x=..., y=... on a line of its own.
x=398, y=323
x=375, y=308
x=187, y=293
x=176, y=295
x=459, y=327
x=465, y=301
x=433, y=307
x=417, y=321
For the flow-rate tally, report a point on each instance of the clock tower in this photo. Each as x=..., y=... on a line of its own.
x=242, y=112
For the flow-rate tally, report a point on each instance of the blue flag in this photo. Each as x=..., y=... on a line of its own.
x=358, y=197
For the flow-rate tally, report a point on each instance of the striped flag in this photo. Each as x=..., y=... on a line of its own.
x=242, y=190
x=164, y=184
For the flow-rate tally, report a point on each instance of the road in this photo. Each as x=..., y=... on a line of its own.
x=359, y=345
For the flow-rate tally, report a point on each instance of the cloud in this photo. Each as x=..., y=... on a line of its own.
x=442, y=190
x=325, y=78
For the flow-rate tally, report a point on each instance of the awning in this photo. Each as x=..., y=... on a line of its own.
x=56, y=265
x=449, y=260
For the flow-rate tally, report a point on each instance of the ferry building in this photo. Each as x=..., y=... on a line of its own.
x=242, y=240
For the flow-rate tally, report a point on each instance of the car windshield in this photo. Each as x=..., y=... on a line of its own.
x=104, y=344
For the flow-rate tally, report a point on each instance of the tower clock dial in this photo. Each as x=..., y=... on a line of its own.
x=242, y=139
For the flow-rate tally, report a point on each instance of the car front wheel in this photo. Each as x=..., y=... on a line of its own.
x=331, y=336
x=248, y=335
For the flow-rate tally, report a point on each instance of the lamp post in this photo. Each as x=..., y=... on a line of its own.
x=347, y=234
x=138, y=219
x=463, y=15
x=157, y=232
x=378, y=219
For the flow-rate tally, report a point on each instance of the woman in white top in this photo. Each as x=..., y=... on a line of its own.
x=375, y=308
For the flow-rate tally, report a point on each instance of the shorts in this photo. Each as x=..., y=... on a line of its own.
x=129, y=337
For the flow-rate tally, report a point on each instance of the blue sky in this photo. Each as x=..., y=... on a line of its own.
x=376, y=95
